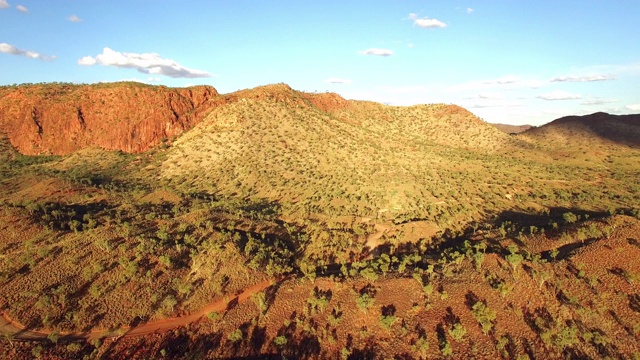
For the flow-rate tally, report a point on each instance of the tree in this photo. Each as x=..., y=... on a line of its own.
x=484, y=315
x=514, y=258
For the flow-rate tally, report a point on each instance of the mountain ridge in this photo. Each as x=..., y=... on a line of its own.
x=133, y=117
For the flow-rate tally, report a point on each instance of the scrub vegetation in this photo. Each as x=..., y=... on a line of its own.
x=362, y=231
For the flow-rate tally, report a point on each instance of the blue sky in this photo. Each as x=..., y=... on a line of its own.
x=510, y=61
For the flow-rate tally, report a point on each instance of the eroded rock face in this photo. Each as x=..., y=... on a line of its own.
x=132, y=117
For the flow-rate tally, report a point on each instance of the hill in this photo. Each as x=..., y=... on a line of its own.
x=512, y=129
x=62, y=118
x=598, y=128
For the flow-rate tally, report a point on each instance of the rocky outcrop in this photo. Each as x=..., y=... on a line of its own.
x=328, y=102
x=127, y=116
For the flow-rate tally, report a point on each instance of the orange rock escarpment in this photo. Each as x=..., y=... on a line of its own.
x=127, y=116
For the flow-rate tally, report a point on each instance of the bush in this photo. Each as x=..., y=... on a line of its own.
x=386, y=321
x=280, y=341
x=235, y=336
x=570, y=217
x=213, y=316
x=457, y=332
x=364, y=301
x=484, y=315
x=53, y=337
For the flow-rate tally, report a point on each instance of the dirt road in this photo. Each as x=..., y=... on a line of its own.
x=17, y=331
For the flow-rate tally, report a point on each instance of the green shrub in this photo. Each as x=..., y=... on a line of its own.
x=386, y=321
x=364, y=301
x=280, y=341
x=235, y=336
x=457, y=332
x=484, y=315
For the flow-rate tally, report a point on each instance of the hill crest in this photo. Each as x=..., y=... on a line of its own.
x=134, y=117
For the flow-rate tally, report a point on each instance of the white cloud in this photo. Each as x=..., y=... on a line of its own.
x=491, y=100
x=633, y=107
x=426, y=23
x=469, y=10
x=10, y=49
x=338, y=81
x=510, y=79
x=4, y=4
x=147, y=63
x=584, y=78
x=559, y=95
x=376, y=52
x=22, y=9
x=74, y=18
x=505, y=81
x=598, y=101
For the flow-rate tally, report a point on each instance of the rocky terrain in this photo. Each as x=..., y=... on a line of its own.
x=62, y=118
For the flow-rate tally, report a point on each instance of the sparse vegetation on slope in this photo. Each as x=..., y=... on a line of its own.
x=384, y=230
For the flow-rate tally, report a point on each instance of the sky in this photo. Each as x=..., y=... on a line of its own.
x=507, y=61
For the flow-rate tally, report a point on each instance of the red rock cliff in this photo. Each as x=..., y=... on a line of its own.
x=132, y=117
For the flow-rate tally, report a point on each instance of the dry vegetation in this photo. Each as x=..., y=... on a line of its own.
x=418, y=232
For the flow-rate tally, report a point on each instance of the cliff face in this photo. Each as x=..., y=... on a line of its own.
x=132, y=117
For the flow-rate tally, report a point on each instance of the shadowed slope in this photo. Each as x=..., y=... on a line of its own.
x=598, y=127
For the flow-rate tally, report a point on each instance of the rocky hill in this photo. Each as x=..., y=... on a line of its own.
x=63, y=118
